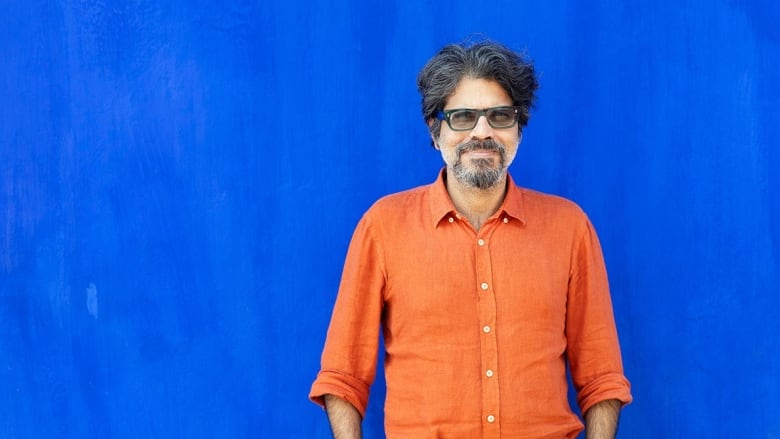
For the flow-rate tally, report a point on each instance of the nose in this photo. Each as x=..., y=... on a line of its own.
x=482, y=130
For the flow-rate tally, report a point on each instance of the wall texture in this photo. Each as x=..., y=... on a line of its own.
x=179, y=182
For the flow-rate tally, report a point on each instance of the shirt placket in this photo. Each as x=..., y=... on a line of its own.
x=488, y=333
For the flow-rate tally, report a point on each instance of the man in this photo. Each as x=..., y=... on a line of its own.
x=484, y=290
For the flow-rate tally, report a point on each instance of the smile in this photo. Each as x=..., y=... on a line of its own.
x=481, y=153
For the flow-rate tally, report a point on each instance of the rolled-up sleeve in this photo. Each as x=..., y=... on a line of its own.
x=350, y=354
x=593, y=350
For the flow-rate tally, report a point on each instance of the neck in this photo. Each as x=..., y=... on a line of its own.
x=476, y=204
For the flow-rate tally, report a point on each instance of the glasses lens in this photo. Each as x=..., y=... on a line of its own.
x=463, y=119
x=502, y=117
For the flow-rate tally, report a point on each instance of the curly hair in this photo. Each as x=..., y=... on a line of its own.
x=483, y=60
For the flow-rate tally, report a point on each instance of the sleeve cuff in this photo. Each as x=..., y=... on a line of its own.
x=611, y=386
x=342, y=385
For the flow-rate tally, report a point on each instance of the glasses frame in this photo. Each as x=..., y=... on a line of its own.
x=446, y=114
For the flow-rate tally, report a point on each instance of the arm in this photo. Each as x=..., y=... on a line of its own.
x=344, y=418
x=601, y=420
x=592, y=348
x=349, y=358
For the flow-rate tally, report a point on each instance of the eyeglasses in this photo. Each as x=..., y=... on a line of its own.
x=465, y=119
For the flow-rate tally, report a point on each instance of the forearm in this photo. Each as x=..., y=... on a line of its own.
x=344, y=418
x=601, y=420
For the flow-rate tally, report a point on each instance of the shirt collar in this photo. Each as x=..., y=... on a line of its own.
x=441, y=205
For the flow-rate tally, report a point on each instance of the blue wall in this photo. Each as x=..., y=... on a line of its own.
x=179, y=182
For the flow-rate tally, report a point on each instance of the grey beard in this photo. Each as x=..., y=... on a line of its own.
x=484, y=176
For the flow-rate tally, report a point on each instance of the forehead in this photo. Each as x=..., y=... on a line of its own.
x=478, y=93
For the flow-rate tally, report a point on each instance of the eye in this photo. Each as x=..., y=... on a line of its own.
x=462, y=117
x=502, y=116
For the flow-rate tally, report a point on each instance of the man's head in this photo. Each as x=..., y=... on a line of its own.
x=484, y=60
x=483, y=93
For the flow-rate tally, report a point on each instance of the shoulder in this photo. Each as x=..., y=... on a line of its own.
x=397, y=214
x=561, y=220
x=400, y=202
x=540, y=203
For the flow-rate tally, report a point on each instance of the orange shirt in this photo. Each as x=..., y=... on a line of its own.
x=477, y=325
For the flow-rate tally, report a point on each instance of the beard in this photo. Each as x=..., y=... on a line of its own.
x=483, y=173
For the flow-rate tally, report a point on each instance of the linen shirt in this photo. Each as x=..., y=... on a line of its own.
x=478, y=325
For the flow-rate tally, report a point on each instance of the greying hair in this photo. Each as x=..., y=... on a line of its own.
x=483, y=60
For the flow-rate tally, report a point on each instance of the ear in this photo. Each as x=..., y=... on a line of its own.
x=520, y=138
x=435, y=142
x=434, y=139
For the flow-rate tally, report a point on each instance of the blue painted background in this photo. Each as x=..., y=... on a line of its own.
x=179, y=182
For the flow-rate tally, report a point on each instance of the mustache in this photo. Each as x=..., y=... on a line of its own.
x=475, y=144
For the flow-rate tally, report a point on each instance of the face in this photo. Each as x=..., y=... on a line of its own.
x=478, y=158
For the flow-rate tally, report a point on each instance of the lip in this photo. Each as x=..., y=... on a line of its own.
x=481, y=153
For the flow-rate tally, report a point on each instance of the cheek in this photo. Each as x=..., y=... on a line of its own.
x=512, y=145
x=451, y=140
x=448, y=155
x=513, y=142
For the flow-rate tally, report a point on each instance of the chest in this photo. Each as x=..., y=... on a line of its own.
x=454, y=273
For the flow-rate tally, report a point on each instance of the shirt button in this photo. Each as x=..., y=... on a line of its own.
x=481, y=242
x=484, y=286
x=506, y=220
x=452, y=220
x=489, y=373
x=486, y=329
x=491, y=418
